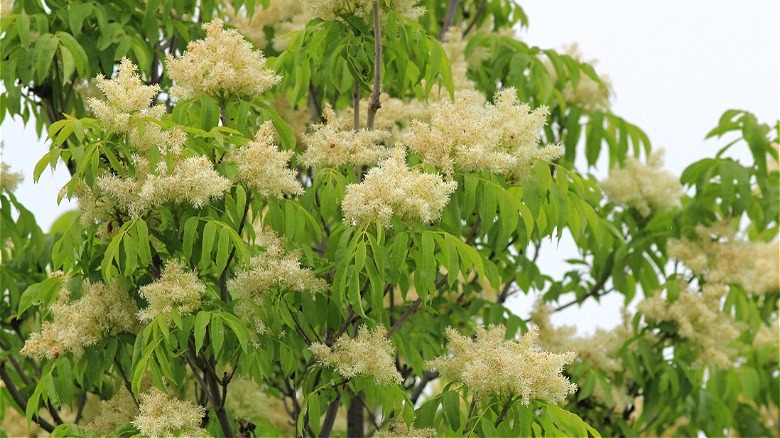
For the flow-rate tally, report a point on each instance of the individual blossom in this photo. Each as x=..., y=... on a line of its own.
x=335, y=143
x=332, y=9
x=163, y=416
x=369, y=353
x=399, y=428
x=274, y=269
x=392, y=188
x=126, y=97
x=699, y=319
x=112, y=413
x=490, y=364
x=721, y=257
x=263, y=167
x=647, y=188
x=501, y=137
x=177, y=288
x=221, y=65
x=103, y=310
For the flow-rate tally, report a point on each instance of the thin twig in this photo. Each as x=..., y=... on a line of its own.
x=373, y=103
x=503, y=412
x=125, y=380
x=449, y=17
x=356, y=105
x=480, y=10
x=20, y=399
x=330, y=417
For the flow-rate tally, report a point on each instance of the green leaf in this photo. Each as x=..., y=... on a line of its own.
x=190, y=227
x=217, y=335
x=201, y=322
x=239, y=329
x=68, y=64
x=142, y=239
x=23, y=27
x=44, y=52
x=209, y=233
x=223, y=249
x=77, y=12
x=451, y=404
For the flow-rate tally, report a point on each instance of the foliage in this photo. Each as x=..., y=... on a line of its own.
x=258, y=306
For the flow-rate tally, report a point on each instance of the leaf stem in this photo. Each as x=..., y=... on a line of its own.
x=373, y=103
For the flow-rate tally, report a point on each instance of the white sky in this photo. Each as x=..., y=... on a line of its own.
x=675, y=67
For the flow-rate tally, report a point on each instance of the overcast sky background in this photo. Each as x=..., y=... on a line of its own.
x=675, y=67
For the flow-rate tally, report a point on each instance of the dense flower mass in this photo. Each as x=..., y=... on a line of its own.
x=263, y=167
x=334, y=143
x=370, y=353
x=118, y=410
x=331, y=9
x=126, y=96
x=699, y=319
x=164, y=416
x=282, y=16
x=398, y=428
x=492, y=365
x=500, y=137
x=177, y=288
x=9, y=180
x=589, y=94
x=646, y=188
x=720, y=257
x=223, y=64
x=103, y=310
x=392, y=188
x=273, y=268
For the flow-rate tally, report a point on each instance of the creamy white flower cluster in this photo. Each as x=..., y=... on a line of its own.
x=589, y=94
x=720, y=257
x=698, y=318
x=283, y=16
x=399, y=428
x=177, y=288
x=369, y=353
x=221, y=65
x=163, y=416
x=467, y=135
x=331, y=9
x=646, y=188
x=103, y=310
x=273, y=268
x=392, y=188
x=334, y=143
x=263, y=167
x=112, y=413
x=126, y=98
x=490, y=364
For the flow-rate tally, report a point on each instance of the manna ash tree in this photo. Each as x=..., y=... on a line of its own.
x=305, y=218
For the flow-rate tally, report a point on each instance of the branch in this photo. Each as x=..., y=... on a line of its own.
x=449, y=18
x=356, y=104
x=373, y=103
x=330, y=417
x=128, y=386
x=224, y=295
x=404, y=317
x=480, y=10
x=503, y=412
x=20, y=399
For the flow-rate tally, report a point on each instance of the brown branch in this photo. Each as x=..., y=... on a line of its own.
x=330, y=417
x=426, y=378
x=404, y=317
x=449, y=18
x=224, y=294
x=128, y=385
x=373, y=103
x=503, y=412
x=480, y=10
x=356, y=104
x=20, y=399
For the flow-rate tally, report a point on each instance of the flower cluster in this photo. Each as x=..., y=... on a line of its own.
x=370, y=353
x=283, y=16
x=126, y=97
x=392, y=188
x=398, y=428
x=274, y=268
x=177, y=288
x=699, y=319
x=590, y=95
x=492, y=365
x=163, y=416
x=600, y=350
x=101, y=311
x=263, y=167
x=334, y=143
x=646, y=188
x=332, y=9
x=118, y=410
x=223, y=64
x=720, y=257
x=9, y=180
x=500, y=137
